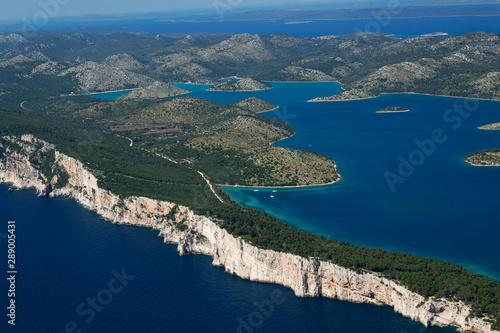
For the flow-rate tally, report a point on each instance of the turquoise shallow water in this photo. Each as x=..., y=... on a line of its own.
x=445, y=209
x=65, y=253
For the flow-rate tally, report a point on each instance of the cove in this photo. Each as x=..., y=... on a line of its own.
x=444, y=210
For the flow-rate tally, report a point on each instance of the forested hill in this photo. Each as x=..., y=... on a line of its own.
x=367, y=64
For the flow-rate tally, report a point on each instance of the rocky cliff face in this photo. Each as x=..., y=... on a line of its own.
x=196, y=234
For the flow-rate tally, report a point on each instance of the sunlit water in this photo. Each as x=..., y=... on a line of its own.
x=444, y=208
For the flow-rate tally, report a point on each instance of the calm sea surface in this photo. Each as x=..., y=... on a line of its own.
x=443, y=209
x=401, y=27
x=66, y=255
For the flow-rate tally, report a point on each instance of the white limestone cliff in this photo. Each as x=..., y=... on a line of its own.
x=307, y=277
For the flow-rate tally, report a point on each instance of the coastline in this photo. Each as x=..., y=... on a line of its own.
x=288, y=137
x=281, y=187
x=99, y=92
x=112, y=91
x=414, y=93
x=229, y=91
x=119, y=98
x=351, y=19
x=481, y=165
x=485, y=128
x=304, y=82
x=401, y=111
x=194, y=84
x=284, y=187
x=435, y=34
x=298, y=22
x=307, y=277
x=276, y=108
x=401, y=93
x=341, y=100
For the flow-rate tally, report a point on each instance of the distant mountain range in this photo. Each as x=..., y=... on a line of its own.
x=367, y=64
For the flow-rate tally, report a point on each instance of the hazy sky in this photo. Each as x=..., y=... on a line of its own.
x=15, y=9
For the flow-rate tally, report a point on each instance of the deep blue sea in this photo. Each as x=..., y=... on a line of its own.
x=401, y=27
x=66, y=255
x=445, y=209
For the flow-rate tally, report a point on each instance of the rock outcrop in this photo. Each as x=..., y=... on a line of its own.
x=197, y=234
x=123, y=61
x=95, y=77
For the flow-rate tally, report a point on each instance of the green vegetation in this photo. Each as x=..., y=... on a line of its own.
x=131, y=171
x=230, y=143
x=118, y=167
x=240, y=85
x=45, y=163
x=465, y=66
x=18, y=85
x=435, y=66
x=428, y=277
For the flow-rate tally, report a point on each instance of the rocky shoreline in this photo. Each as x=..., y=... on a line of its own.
x=490, y=127
x=307, y=277
x=484, y=158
